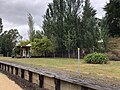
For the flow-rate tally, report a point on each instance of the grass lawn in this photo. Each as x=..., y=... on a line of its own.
x=111, y=70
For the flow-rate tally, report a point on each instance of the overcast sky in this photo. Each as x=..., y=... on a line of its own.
x=14, y=13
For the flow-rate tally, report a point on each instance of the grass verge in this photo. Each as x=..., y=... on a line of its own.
x=111, y=70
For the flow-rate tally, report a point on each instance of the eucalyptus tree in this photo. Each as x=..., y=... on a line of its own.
x=8, y=41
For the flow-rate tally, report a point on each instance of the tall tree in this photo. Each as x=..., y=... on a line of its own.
x=53, y=23
x=9, y=40
x=1, y=26
x=31, y=31
x=71, y=24
x=90, y=31
x=60, y=23
x=104, y=34
x=113, y=17
x=1, y=29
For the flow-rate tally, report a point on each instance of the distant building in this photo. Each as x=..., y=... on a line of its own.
x=25, y=51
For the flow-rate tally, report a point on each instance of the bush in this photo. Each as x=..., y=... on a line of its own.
x=96, y=58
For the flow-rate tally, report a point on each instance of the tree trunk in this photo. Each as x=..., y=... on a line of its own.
x=54, y=54
x=69, y=53
x=81, y=53
x=45, y=53
x=74, y=54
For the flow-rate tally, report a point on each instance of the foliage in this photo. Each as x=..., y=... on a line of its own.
x=39, y=34
x=113, y=17
x=31, y=31
x=41, y=46
x=88, y=10
x=15, y=51
x=90, y=29
x=104, y=35
x=53, y=22
x=1, y=26
x=96, y=58
x=70, y=24
x=8, y=41
x=61, y=23
x=24, y=43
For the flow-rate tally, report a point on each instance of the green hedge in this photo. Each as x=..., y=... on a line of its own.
x=96, y=58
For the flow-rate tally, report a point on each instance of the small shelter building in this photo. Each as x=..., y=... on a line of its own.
x=25, y=51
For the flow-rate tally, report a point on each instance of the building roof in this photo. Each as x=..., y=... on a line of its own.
x=24, y=46
x=29, y=45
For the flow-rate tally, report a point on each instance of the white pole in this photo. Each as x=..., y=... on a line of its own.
x=79, y=61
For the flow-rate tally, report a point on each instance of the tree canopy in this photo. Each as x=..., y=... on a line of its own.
x=71, y=24
x=8, y=40
x=40, y=47
x=68, y=25
x=113, y=17
x=61, y=24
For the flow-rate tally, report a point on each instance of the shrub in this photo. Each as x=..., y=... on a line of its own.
x=96, y=58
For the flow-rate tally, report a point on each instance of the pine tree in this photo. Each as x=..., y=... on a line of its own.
x=113, y=17
x=104, y=35
x=90, y=31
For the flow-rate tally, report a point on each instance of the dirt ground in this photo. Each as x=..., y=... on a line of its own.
x=7, y=84
x=16, y=81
